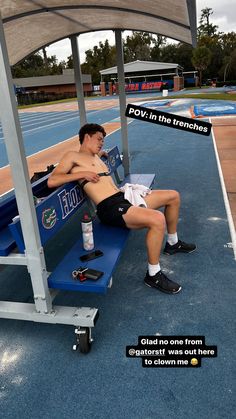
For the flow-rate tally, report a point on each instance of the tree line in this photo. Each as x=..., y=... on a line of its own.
x=214, y=56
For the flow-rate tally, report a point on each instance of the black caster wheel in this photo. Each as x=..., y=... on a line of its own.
x=84, y=341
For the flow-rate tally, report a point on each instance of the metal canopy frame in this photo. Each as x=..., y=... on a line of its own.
x=43, y=310
x=33, y=24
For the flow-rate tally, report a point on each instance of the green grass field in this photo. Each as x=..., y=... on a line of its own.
x=47, y=103
x=185, y=94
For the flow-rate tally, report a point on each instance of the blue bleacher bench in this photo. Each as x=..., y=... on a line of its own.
x=57, y=208
x=8, y=210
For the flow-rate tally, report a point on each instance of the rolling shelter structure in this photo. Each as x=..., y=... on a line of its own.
x=143, y=70
x=25, y=27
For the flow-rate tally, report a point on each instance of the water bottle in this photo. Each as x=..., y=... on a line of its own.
x=87, y=231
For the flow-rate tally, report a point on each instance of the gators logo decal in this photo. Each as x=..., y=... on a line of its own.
x=49, y=218
x=112, y=160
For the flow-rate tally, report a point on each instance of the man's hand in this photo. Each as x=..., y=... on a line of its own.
x=103, y=153
x=91, y=176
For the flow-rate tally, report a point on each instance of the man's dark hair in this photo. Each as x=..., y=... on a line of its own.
x=90, y=129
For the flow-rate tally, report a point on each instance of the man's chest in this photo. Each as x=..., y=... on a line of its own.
x=93, y=164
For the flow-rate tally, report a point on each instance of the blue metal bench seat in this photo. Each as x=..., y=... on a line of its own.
x=8, y=210
x=55, y=211
x=111, y=241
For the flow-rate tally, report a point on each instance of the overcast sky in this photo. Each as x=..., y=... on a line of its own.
x=224, y=16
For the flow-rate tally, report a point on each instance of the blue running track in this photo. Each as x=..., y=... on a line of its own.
x=42, y=378
x=44, y=129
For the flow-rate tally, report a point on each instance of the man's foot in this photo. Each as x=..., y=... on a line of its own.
x=179, y=247
x=162, y=283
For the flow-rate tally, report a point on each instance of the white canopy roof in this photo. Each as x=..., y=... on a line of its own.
x=31, y=24
x=139, y=66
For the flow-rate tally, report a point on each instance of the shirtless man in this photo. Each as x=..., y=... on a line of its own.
x=85, y=166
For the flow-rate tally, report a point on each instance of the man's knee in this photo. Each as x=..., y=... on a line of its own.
x=157, y=220
x=176, y=197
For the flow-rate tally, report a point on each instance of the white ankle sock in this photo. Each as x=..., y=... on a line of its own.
x=153, y=269
x=172, y=238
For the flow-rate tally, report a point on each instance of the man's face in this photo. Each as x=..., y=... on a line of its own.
x=96, y=142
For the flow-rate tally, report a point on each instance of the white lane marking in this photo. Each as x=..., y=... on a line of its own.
x=225, y=196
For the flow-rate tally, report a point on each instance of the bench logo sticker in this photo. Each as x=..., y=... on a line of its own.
x=112, y=160
x=49, y=218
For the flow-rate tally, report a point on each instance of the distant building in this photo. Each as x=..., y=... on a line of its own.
x=149, y=75
x=144, y=69
x=58, y=84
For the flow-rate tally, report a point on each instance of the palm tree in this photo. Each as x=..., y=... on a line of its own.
x=201, y=60
x=229, y=64
x=45, y=57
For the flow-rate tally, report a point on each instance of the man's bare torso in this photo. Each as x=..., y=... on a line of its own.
x=100, y=190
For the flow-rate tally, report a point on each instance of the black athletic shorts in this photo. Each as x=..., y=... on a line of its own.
x=111, y=209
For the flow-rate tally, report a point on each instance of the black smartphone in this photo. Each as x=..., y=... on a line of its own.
x=91, y=256
x=104, y=174
x=93, y=274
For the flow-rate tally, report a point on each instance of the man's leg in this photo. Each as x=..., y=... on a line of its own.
x=170, y=200
x=154, y=221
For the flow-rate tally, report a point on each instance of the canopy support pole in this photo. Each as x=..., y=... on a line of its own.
x=122, y=100
x=78, y=80
x=17, y=160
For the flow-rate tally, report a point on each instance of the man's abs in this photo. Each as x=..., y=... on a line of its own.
x=98, y=191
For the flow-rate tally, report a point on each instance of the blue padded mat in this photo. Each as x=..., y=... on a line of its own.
x=215, y=109
x=156, y=104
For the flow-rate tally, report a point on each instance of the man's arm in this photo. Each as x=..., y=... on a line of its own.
x=61, y=174
x=103, y=153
